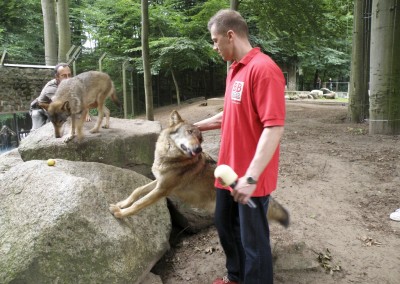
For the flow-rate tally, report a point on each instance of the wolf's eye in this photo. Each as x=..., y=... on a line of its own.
x=190, y=131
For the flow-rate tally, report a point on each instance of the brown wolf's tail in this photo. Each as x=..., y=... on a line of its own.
x=114, y=98
x=277, y=212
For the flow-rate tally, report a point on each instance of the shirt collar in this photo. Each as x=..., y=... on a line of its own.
x=247, y=58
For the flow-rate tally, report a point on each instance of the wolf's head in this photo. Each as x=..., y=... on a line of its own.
x=186, y=137
x=58, y=113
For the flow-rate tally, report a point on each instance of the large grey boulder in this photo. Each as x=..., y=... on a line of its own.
x=55, y=226
x=191, y=219
x=317, y=94
x=128, y=143
x=9, y=159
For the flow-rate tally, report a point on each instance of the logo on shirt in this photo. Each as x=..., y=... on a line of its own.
x=237, y=90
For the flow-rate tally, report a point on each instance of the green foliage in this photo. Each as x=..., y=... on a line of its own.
x=312, y=34
x=114, y=25
x=4, y=118
x=199, y=16
x=178, y=53
x=21, y=31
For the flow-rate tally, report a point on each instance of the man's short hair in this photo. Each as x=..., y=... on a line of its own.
x=58, y=66
x=228, y=19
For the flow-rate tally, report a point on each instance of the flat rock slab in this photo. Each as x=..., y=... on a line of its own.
x=128, y=143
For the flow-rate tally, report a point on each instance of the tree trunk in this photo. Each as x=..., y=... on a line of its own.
x=385, y=68
x=64, y=30
x=146, y=61
x=291, y=79
x=234, y=5
x=50, y=32
x=359, y=77
x=178, y=93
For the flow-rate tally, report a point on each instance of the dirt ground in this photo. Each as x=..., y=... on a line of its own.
x=339, y=183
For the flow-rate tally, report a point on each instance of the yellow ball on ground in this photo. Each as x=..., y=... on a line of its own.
x=51, y=162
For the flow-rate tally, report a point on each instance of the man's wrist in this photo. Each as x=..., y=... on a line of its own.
x=251, y=180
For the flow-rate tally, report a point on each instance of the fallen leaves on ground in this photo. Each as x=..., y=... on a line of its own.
x=369, y=242
x=325, y=260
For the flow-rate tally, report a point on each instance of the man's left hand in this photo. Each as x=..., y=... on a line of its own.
x=243, y=191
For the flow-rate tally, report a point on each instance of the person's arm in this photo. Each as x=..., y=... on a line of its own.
x=266, y=148
x=210, y=123
x=46, y=94
x=44, y=98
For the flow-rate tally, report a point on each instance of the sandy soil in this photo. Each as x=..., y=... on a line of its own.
x=339, y=183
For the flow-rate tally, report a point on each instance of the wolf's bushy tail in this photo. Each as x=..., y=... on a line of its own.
x=114, y=98
x=276, y=212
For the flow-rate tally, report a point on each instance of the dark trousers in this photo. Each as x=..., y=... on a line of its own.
x=244, y=236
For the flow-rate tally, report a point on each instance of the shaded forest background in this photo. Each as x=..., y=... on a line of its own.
x=352, y=43
x=309, y=38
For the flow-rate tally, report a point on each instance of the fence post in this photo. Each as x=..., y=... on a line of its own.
x=100, y=60
x=3, y=57
x=69, y=52
x=133, y=99
x=124, y=87
x=73, y=59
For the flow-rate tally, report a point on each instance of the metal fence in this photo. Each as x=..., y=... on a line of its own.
x=336, y=86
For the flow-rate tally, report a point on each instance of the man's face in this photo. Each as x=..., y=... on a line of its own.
x=63, y=73
x=222, y=44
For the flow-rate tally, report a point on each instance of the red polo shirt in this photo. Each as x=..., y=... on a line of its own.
x=254, y=99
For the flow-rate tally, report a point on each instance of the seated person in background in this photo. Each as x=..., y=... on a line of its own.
x=38, y=114
x=5, y=138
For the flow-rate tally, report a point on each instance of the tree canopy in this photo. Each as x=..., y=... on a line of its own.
x=312, y=35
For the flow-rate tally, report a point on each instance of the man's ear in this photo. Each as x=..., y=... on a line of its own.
x=230, y=34
x=44, y=105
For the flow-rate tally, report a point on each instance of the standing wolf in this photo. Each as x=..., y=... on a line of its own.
x=75, y=96
x=183, y=170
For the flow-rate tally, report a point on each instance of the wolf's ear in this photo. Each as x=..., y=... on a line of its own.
x=174, y=118
x=44, y=105
x=65, y=107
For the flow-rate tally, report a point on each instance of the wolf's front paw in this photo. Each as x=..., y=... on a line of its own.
x=94, y=130
x=69, y=138
x=124, y=203
x=115, y=210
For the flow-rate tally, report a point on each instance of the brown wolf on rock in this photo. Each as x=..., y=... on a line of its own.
x=184, y=171
x=75, y=96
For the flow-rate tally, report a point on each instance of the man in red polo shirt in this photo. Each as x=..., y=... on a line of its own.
x=251, y=125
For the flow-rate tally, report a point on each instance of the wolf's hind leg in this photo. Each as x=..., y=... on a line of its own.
x=79, y=125
x=107, y=114
x=96, y=127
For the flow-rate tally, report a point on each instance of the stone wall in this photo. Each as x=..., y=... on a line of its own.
x=19, y=86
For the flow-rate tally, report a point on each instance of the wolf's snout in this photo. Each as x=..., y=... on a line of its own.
x=57, y=131
x=198, y=150
x=193, y=151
